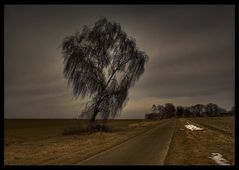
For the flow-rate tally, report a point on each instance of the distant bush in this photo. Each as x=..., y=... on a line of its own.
x=101, y=128
x=152, y=116
x=76, y=130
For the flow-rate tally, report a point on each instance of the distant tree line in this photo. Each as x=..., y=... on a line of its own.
x=168, y=110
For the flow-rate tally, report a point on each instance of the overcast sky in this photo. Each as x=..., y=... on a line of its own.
x=191, y=50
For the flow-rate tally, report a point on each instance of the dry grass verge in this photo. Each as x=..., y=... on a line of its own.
x=224, y=124
x=194, y=147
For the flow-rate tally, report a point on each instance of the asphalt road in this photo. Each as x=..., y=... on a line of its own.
x=149, y=148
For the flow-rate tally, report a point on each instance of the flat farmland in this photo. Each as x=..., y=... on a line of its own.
x=57, y=142
x=126, y=142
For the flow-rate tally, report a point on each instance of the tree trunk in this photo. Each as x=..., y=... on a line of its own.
x=92, y=119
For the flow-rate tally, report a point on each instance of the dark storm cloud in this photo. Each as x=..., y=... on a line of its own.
x=191, y=50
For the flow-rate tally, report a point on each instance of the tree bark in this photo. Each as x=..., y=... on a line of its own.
x=92, y=119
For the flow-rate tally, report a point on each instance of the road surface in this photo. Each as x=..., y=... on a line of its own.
x=149, y=148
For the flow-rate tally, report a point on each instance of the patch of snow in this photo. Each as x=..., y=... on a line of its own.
x=217, y=157
x=192, y=127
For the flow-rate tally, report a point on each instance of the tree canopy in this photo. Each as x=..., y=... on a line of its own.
x=103, y=63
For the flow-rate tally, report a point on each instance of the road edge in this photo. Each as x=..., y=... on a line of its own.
x=170, y=143
x=116, y=146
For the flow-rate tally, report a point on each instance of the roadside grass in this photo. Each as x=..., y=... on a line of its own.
x=43, y=142
x=224, y=123
x=194, y=147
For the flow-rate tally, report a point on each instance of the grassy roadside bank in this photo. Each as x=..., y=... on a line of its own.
x=224, y=124
x=194, y=147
